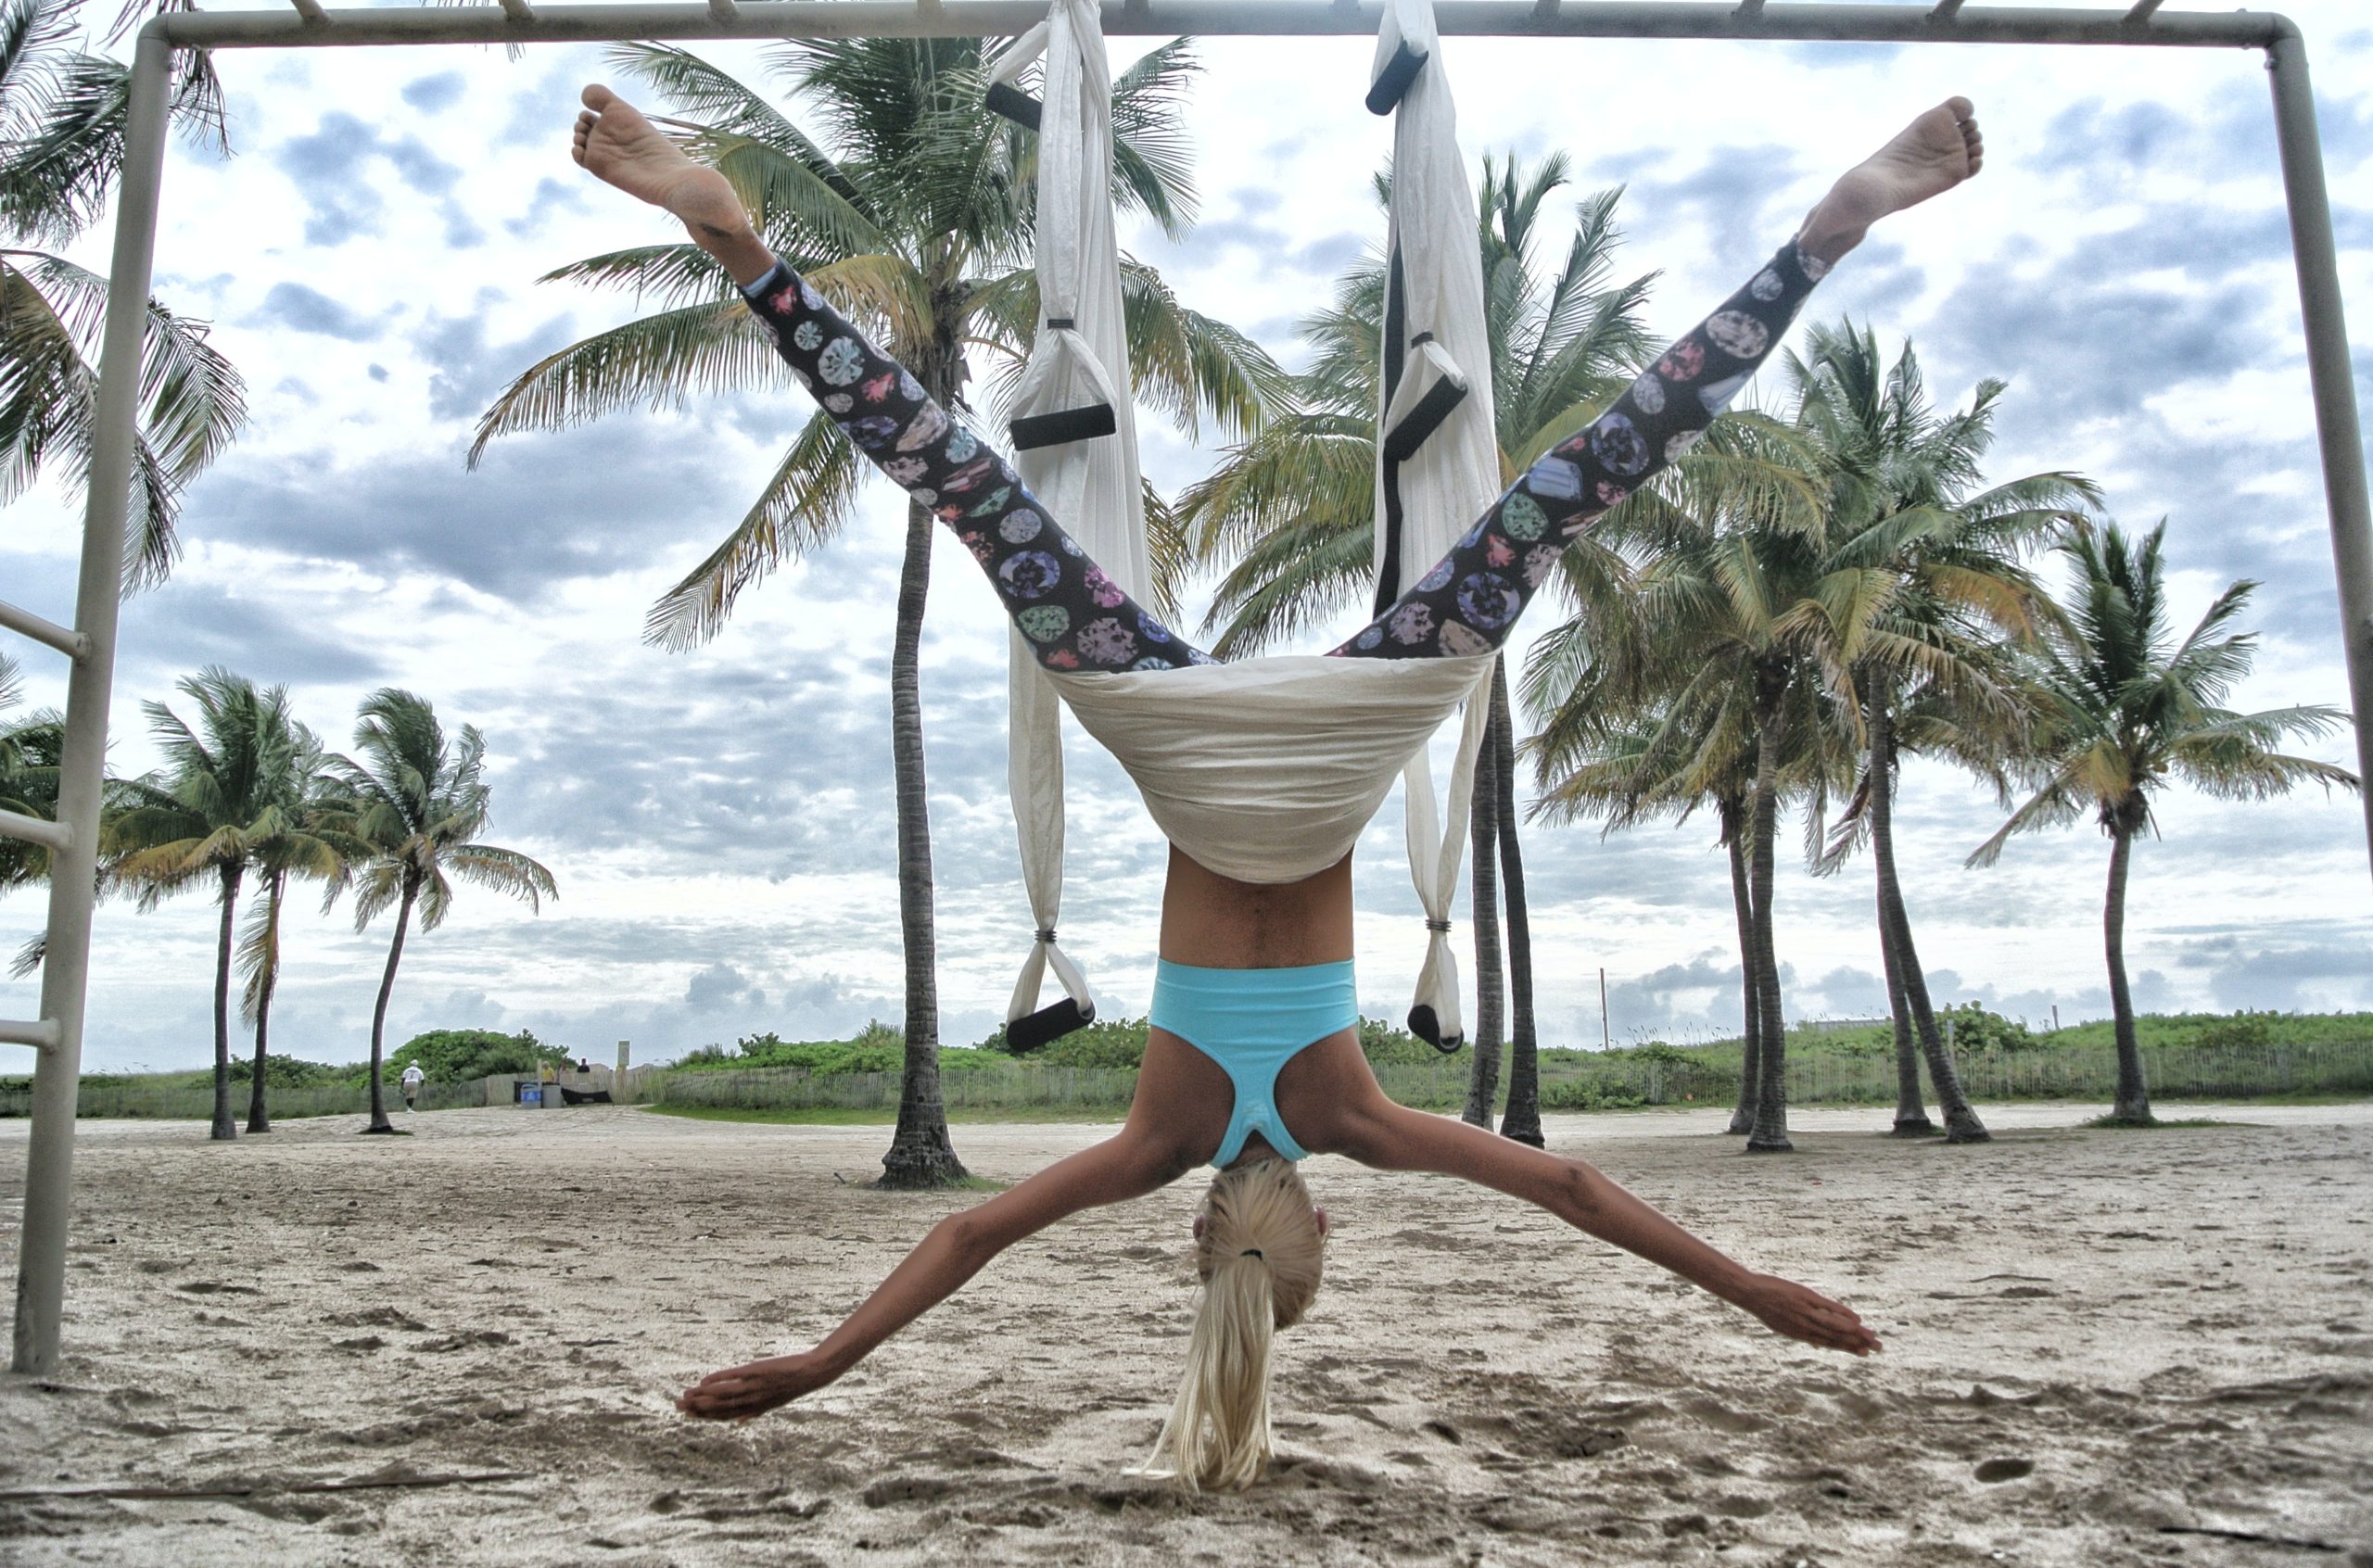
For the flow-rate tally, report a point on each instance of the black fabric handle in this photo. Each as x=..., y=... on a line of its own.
x=1392, y=83
x=1427, y=1027
x=1014, y=104
x=1401, y=442
x=1033, y=1029
x=1064, y=425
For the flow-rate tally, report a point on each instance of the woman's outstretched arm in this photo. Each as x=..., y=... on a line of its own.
x=1126, y=1166
x=1376, y=1132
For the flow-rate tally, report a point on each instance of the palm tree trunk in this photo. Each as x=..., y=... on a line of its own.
x=1962, y=1123
x=1483, y=822
x=379, y=1123
x=922, y=1154
x=1770, y=1132
x=259, y=1121
x=1911, y=1107
x=2133, y=1099
x=1734, y=829
x=224, y=1127
x=1521, y=1120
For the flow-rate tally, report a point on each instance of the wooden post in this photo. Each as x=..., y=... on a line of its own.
x=618, y=1088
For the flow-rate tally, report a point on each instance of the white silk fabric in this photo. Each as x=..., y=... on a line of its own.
x=1093, y=485
x=1448, y=481
x=1266, y=769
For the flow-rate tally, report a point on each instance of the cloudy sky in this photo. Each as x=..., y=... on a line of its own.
x=719, y=820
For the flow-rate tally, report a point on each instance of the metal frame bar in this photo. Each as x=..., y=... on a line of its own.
x=58, y=1032
x=25, y=623
x=513, y=22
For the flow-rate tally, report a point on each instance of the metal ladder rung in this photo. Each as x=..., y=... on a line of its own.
x=40, y=1033
x=53, y=836
x=66, y=640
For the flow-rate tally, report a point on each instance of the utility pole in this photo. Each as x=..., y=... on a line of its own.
x=1605, y=1036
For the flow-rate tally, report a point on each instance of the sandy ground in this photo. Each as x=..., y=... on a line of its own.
x=2155, y=1337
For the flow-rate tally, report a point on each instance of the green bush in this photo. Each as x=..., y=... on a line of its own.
x=1974, y=1028
x=2241, y=1028
x=456, y=1055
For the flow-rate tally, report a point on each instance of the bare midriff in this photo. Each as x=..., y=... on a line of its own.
x=1216, y=922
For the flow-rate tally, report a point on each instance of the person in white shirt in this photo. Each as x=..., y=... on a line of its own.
x=413, y=1079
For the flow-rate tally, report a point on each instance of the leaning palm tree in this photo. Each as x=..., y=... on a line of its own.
x=918, y=219
x=198, y=823
x=62, y=121
x=1945, y=559
x=411, y=809
x=306, y=842
x=2121, y=709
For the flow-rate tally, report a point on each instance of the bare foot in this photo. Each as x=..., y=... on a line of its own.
x=1928, y=158
x=617, y=145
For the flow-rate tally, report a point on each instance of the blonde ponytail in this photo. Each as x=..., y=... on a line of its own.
x=1259, y=1256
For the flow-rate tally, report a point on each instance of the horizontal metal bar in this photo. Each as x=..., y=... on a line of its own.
x=1212, y=18
x=35, y=830
x=43, y=1034
x=25, y=623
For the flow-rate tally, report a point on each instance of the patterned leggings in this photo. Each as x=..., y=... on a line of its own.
x=1078, y=619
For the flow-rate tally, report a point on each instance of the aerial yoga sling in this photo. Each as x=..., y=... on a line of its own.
x=1264, y=770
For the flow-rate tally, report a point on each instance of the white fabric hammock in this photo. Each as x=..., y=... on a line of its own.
x=1264, y=770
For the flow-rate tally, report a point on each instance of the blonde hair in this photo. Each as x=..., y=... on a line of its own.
x=1259, y=1257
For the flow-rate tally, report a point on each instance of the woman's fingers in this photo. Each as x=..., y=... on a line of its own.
x=753, y=1389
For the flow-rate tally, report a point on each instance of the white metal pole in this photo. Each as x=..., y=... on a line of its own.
x=49, y=1162
x=2328, y=373
x=1207, y=18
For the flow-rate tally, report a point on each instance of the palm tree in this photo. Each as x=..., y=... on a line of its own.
x=305, y=843
x=918, y=222
x=1291, y=512
x=412, y=809
x=2121, y=709
x=1604, y=751
x=62, y=121
x=200, y=820
x=1947, y=565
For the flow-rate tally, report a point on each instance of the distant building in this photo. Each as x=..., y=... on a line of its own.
x=1836, y=1026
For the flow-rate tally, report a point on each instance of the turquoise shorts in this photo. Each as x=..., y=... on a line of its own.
x=1252, y=1022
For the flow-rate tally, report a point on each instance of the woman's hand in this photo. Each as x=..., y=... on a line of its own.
x=1788, y=1307
x=739, y=1393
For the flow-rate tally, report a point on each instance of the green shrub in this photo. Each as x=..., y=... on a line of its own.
x=456, y=1055
x=1974, y=1028
x=2242, y=1028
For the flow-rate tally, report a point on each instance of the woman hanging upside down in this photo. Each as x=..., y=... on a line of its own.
x=1253, y=1059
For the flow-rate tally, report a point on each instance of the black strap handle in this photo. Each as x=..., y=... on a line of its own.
x=1392, y=83
x=1400, y=443
x=1014, y=104
x=1064, y=425
x=1427, y=1027
x=1030, y=1031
